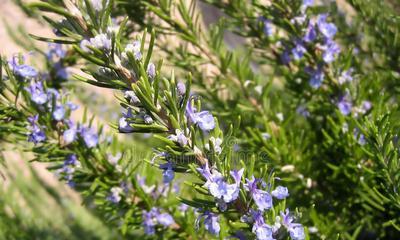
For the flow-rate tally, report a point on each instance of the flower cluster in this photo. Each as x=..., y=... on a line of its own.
x=45, y=98
x=263, y=201
x=101, y=41
x=155, y=217
x=264, y=231
x=115, y=195
x=22, y=70
x=55, y=56
x=296, y=230
x=133, y=48
x=225, y=193
x=89, y=136
x=157, y=191
x=165, y=108
x=219, y=188
x=68, y=169
x=211, y=222
x=317, y=39
x=203, y=119
x=36, y=134
x=319, y=34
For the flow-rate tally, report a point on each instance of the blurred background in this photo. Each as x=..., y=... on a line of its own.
x=33, y=203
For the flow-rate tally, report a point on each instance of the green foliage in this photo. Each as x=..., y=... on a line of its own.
x=33, y=208
x=342, y=169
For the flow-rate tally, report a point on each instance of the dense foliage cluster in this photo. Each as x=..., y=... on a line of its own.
x=276, y=120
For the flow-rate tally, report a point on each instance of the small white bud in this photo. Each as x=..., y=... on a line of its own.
x=259, y=89
x=247, y=83
x=148, y=119
x=151, y=70
x=288, y=168
x=181, y=87
x=309, y=183
x=280, y=116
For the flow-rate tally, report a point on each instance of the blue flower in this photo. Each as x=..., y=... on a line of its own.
x=211, y=223
x=101, y=41
x=165, y=219
x=331, y=50
x=59, y=113
x=149, y=223
x=36, y=135
x=206, y=172
x=168, y=173
x=203, y=119
x=306, y=4
x=70, y=164
x=123, y=124
x=154, y=217
x=179, y=137
x=89, y=136
x=262, y=230
x=183, y=207
x=327, y=29
x=133, y=48
x=181, y=88
x=222, y=190
x=70, y=134
x=262, y=199
x=285, y=57
x=131, y=97
x=298, y=50
x=280, y=192
x=302, y=110
x=151, y=70
x=365, y=106
x=217, y=186
x=61, y=71
x=26, y=71
x=311, y=33
x=115, y=195
x=38, y=95
x=71, y=159
x=72, y=106
x=296, y=230
x=346, y=76
x=142, y=184
x=55, y=52
x=359, y=136
x=239, y=235
x=52, y=94
x=344, y=106
x=316, y=76
x=237, y=175
x=267, y=27
x=22, y=70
